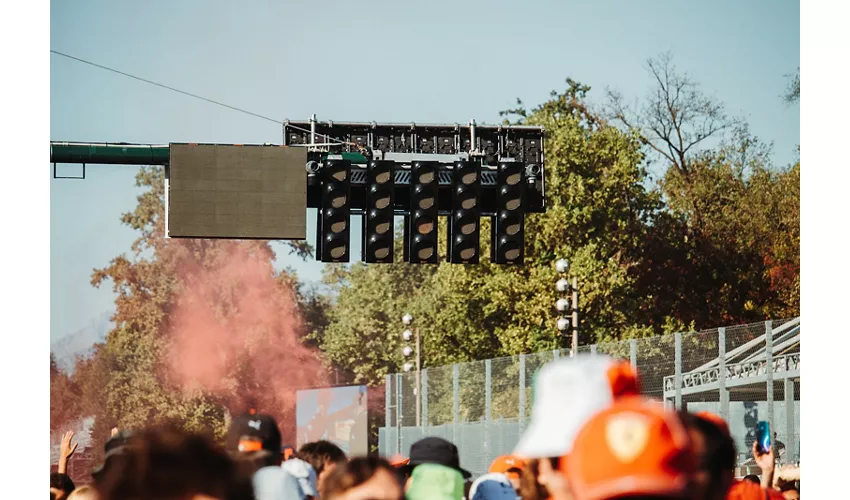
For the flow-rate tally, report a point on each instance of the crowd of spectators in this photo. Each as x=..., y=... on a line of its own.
x=592, y=436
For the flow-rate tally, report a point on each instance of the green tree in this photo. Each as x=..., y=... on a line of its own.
x=598, y=211
x=131, y=382
x=726, y=247
x=64, y=397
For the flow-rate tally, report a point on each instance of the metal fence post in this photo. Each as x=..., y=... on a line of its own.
x=678, y=368
x=721, y=376
x=388, y=417
x=488, y=394
x=790, y=431
x=521, y=391
x=398, y=411
x=424, y=398
x=455, y=400
x=768, y=352
x=633, y=352
x=593, y=350
x=488, y=389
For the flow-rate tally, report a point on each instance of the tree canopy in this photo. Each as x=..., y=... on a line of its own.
x=207, y=327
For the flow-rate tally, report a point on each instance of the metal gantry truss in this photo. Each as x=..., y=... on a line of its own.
x=746, y=365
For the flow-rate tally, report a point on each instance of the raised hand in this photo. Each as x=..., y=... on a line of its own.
x=767, y=464
x=66, y=449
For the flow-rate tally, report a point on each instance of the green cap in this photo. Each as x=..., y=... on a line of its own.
x=435, y=482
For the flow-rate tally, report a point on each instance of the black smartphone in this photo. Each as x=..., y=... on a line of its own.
x=763, y=437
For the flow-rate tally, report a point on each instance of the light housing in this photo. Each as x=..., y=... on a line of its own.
x=508, y=233
x=333, y=225
x=464, y=228
x=562, y=266
x=421, y=226
x=378, y=218
x=562, y=305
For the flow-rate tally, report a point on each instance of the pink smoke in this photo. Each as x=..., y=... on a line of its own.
x=236, y=332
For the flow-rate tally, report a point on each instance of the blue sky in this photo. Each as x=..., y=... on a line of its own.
x=436, y=61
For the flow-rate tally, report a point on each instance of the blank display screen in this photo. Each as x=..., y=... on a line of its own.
x=238, y=192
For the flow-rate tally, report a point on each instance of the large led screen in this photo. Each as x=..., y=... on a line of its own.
x=336, y=414
x=238, y=192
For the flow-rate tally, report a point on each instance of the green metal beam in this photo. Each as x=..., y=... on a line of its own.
x=130, y=154
x=353, y=157
x=111, y=154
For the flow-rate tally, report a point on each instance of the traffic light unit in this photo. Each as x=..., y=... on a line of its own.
x=379, y=213
x=421, y=211
x=421, y=231
x=333, y=223
x=464, y=227
x=509, y=222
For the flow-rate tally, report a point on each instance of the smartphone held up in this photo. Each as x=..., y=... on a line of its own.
x=763, y=443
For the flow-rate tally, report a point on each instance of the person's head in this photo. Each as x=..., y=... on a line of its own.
x=434, y=450
x=364, y=478
x=61, y=485
x=115, y=447
x=431, y=481
x=84, y=493
x=170, y=464
x=752, y=478
x=323, y=456
x=714, y=451
x=304, y=474
x=566, y=393
x=252, y=433
x=492, y=486
x=529, y=486
x=790, y=492
x=510, y=466
x=635, y=448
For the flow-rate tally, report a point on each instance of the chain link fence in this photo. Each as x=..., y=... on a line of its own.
x=745, y=373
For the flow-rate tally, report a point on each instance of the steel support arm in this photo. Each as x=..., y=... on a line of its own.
x=110, y=154
x=129, y=154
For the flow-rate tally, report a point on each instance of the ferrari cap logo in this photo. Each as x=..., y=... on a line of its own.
x=627, y=436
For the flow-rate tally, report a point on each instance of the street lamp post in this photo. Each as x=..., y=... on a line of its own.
x=568, y=302
x=407, y=320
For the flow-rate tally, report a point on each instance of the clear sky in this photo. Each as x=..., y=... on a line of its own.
x=436, y=61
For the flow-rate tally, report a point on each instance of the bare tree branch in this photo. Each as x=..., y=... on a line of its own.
x=675, y=117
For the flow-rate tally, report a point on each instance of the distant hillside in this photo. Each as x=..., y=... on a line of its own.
x=81, y=341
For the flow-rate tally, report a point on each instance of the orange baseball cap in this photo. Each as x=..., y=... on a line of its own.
x=399, y=461
x=634, y=447
x=748, y=490
x=506, y=463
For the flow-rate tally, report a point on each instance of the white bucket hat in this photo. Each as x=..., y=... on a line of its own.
x=304, y=473
x=567, y=392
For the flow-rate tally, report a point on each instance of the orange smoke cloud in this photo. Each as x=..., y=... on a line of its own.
x=236, y=333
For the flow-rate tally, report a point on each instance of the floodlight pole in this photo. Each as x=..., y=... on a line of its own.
x=567, y=287
x=574, y=347
x=418, y=379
